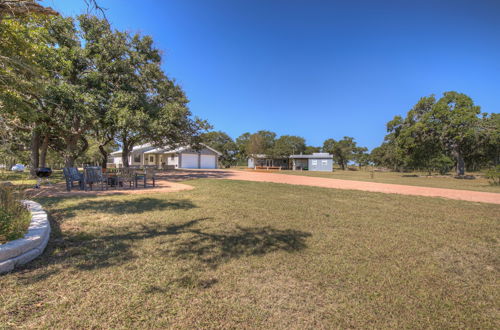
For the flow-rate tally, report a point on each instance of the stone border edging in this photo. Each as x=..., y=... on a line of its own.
x=23, y=250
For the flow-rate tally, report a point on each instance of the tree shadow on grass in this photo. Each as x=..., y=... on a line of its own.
x=81, y=251
x=214, y=248
x=121, y=207
x=199, y=247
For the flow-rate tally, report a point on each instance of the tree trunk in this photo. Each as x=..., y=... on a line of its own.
x=43, y=151
x=69, y=160
x=35, y=155
x=125, y=153
x=104, y=153
x=69, y=154
x=460, y=164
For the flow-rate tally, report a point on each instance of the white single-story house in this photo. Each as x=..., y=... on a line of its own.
x=169, y=158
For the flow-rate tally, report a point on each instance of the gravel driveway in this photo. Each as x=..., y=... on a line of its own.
x=466, y=195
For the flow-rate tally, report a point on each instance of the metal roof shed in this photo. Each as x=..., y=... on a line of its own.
x=319, y=161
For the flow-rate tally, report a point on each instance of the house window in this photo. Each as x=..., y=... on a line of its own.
x=315, y=162
x=324, y=162
x=151, y=159
x=137, y=158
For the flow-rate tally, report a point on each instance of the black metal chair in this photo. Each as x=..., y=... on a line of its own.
x=72, y=175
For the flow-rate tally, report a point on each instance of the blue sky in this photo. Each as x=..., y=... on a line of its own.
x=317, y=69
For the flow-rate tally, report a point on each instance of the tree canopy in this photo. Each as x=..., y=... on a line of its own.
x=437, y=134
x=223, y=143
x=345, y=151
x=287, y=145
x=67, y=82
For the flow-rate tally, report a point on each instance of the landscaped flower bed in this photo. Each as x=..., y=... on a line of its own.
x=14, y=217
x=22, y=250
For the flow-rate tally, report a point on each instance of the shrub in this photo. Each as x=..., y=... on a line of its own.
x=441, y=164
x=14, y=217
x=493, y=176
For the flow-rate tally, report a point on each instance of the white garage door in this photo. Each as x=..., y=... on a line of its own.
x=189, y=161
x=207, y=161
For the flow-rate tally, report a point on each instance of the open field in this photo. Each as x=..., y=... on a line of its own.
x=435, y=181
x=248, y=254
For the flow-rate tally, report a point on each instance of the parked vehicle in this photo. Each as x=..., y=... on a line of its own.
x=18, y=168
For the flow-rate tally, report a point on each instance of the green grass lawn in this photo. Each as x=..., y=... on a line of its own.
x=24, y=178
x=436, y=181
x=259, y=255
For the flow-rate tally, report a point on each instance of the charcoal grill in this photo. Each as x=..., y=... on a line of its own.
x=42, y=173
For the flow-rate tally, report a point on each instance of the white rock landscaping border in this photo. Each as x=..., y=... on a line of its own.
x=23, y=250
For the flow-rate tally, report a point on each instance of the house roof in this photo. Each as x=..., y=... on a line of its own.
x=210, y=148
x=316, y=155
x=149, y=149
x=263, y=156
x=165, y=150
x=141, y=147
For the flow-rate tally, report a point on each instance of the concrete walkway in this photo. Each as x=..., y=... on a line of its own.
x=466, y=195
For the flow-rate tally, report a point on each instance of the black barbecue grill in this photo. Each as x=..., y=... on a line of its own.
x=43, y=173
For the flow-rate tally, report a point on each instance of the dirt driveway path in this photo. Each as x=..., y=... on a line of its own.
x=466, y=195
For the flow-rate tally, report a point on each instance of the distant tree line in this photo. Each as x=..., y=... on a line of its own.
x=345, y=151
x=436, y=135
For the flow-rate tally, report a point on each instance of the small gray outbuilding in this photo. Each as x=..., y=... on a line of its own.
x=319, y=161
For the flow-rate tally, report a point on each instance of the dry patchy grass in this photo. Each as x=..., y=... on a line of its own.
x=244, y=254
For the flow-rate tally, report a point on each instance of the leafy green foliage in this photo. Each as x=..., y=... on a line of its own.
x=346, y=150
x=441, y=164
x=223, y=143
x=67, y=82
x=434, y=131
x=261, y=142
x=287, y=145
x=493, y=175
x=311, y=149
x=14, y=218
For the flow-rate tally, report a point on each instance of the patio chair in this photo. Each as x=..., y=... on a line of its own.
x=126, y=175
x=143, y=178
x=94, y=175
x=72, y=175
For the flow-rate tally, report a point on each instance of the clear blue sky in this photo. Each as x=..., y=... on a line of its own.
x=317, y=69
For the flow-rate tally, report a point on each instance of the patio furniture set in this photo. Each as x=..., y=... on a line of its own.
x=95, y=176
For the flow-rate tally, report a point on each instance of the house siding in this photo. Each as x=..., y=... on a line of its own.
x=199, y=153
x=320, y=164
x=165, y=159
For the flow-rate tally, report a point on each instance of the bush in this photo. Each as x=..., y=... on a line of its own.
x=493, y=176
x=442, y=164
x=14, y=217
